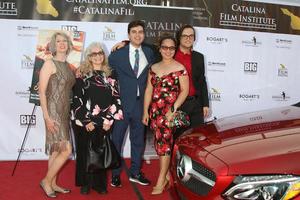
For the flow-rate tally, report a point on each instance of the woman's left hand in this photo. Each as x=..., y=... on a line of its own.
x=170, y=115
x=106, y=127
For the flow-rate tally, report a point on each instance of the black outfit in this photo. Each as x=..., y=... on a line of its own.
x=96, y=99
x=193, y=105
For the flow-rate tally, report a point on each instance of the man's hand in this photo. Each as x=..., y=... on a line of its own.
x=205, y=111
x=117, y=46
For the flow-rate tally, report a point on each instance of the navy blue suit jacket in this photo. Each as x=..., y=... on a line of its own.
x=119, y=60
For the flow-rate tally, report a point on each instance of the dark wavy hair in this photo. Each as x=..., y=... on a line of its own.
x=135, y=24
x=181, y=29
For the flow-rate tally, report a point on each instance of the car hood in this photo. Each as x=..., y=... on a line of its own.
x=253, y=143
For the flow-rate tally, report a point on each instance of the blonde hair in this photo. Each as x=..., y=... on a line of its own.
x=86, y=67
x=52, y=43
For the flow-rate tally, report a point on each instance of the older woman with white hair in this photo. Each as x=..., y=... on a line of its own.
x=96, y=104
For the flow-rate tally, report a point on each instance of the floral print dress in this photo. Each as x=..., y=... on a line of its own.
x=165, y=92
x=96, y=99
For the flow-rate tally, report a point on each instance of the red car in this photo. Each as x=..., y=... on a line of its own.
x=249, y=156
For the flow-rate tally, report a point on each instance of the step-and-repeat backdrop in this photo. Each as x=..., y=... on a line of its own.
x=251, y=53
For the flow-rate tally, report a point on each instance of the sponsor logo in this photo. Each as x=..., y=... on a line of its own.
x=27, y=28
x=249, y=97
x=283, y=43
x=109, y=34
x=248, y=17
x=283, y=71
x=8, y=8
x=216, y=40
x=31, y=150
x=69, y=28
x=216, y=66
x=256, y=118
x=156, y=29
x=215, y=95
x=27, y=119
x=213, y=63
x=23, y=93
x=253, y=42
x=250, y=67
x=282, y=97
x=27, y=62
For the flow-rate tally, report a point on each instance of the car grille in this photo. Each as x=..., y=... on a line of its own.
x=195, y=183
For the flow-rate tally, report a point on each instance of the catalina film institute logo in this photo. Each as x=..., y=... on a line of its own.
x=27, y=62
x=282, y=97
x=250, y=67
x=282, y=71
x=252, y=42
x=109, y=34
x=8, y=8
x=215, y=95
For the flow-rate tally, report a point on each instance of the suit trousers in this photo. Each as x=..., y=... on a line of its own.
x=132, y=119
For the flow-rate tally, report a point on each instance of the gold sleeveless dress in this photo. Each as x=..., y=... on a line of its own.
x=58, y=96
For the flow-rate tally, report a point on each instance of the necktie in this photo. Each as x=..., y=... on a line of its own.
x=136, y=63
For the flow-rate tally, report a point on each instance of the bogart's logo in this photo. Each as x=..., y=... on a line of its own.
x=248, y=17
x=216, y=40
x=8, y=8
x=249, y=97
x=215, y=95
x=27, y=62
x=282, y=71
x=109, y=34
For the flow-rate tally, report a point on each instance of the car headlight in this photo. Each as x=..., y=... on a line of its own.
x=264, y=187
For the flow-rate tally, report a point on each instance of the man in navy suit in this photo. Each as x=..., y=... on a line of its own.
x=131, y=64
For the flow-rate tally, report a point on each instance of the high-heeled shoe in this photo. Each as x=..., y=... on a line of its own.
x=50, y=194
x=159, y=189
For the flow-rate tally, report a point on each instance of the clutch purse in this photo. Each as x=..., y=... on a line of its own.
x=180, y=120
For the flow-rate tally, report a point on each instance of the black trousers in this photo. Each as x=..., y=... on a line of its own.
x=97, y=180
x=194, y=109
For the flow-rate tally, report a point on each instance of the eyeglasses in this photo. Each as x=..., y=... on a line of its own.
x=170, y=48
x=192, y=36
x=94, y=54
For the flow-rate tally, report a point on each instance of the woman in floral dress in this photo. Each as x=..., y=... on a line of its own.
x=166, y=90
x=96, y=104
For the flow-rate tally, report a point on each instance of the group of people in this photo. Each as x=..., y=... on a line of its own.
x=129, y=88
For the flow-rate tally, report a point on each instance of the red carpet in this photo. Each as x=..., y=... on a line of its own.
x=24, y=185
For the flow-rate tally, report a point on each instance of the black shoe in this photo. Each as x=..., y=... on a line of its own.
x=140, y=179
x=100, y=190
x=116, y=181
x=85, y=190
